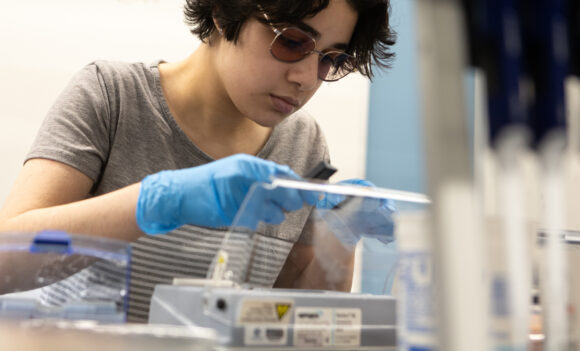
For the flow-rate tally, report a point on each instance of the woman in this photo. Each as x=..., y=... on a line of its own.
x=173, y=148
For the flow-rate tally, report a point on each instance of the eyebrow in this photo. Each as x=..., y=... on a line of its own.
x=316, y=35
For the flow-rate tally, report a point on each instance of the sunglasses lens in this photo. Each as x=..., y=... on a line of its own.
x=292, y=45
x=335, y=65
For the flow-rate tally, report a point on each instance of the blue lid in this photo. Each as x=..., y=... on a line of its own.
x=51, y=241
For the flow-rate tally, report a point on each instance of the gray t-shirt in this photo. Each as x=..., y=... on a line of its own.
x=113, y=123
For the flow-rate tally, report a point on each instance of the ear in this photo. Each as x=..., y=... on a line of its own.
x=217, y=26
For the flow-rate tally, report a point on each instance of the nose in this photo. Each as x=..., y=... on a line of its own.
x=304, y=73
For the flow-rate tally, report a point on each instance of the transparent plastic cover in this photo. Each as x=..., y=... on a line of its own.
x=325, y=231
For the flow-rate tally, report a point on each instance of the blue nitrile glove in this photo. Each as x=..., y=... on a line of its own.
x=351, y=218
x=210, y=195
x=267, y=203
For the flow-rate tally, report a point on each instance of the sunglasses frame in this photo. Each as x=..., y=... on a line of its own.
x=322, y=54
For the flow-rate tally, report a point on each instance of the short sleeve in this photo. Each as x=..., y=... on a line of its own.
x=77, y=129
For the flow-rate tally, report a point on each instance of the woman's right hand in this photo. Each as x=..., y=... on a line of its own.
x=210, y=195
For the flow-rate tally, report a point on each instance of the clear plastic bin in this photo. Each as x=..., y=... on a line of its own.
x=52, y=275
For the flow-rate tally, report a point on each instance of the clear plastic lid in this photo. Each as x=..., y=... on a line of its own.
x=53, y=274
x=325, y=233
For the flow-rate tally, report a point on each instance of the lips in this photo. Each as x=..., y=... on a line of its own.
x=284, y=104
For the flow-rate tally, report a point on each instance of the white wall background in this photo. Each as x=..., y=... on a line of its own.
x=43, y=43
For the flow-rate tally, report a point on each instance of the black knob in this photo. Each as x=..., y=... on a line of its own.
x=221, y=304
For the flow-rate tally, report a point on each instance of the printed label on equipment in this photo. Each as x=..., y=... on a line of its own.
x=320, y=327
x=417, y=275
x=312, y=327
x=260, y=334
x=347, y=326
x=265, y=312
x=415, y=303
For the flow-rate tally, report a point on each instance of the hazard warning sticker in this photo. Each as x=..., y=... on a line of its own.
x=265, y=312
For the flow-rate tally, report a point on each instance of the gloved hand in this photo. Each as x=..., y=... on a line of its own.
x=351, y=218
x=210, y=195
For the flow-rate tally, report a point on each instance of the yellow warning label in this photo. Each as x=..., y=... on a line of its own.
x=265, y=312
x=281, y=309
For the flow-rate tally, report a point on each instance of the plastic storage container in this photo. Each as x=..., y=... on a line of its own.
x=55, y=275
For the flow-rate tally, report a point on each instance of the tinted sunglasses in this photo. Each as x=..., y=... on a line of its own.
x=292, y=44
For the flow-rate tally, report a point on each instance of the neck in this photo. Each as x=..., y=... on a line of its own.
x=201, y=106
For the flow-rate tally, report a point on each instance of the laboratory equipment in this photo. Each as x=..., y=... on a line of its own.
x=545, y=34
x=456, y=220
x=318, y=311
x=570, y=243
x=32, y=264
x=254, y=317
x=496, y=48
x=416, y=309
x=524, y=49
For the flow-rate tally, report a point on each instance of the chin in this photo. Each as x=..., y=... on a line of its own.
x=272, y=121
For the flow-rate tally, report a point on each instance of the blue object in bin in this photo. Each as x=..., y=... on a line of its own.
x=51, y=241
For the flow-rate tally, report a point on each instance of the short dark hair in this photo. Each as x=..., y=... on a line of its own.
x=371, y=40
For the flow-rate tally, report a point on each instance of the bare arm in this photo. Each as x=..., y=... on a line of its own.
x=325, y=265
x=51, y=195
